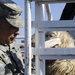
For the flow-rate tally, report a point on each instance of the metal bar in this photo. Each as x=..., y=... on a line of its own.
x=54, y=1
x=57, y=29
x=39, y=15
x=27, y=38
x=54, y=51
x=62, y=23
x=54, y=57
x=48, y=12
x=54, y=25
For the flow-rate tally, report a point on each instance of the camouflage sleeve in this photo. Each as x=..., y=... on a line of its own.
x=18, y=52
x=2, y=67
x=4, y=70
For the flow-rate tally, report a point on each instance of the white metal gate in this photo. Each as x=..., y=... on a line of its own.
x=41, y=26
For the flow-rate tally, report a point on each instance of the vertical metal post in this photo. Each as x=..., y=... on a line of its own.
x=27, y=38
x=39, y=16
x=48, y=10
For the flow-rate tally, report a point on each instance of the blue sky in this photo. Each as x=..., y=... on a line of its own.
x=56, y=10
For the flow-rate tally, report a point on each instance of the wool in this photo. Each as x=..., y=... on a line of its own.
x=65, y=66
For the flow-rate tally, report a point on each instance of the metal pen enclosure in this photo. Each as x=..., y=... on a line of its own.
x=41, y=53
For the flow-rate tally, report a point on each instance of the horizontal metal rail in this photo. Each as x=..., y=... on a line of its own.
x=53, y=51
x=63, y=25
x=54, y=1
x=54, y=57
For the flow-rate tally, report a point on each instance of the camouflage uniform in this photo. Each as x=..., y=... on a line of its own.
x=11, y=60
x=10, y=56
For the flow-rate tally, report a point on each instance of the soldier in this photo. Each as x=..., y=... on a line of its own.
x=10, y=55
